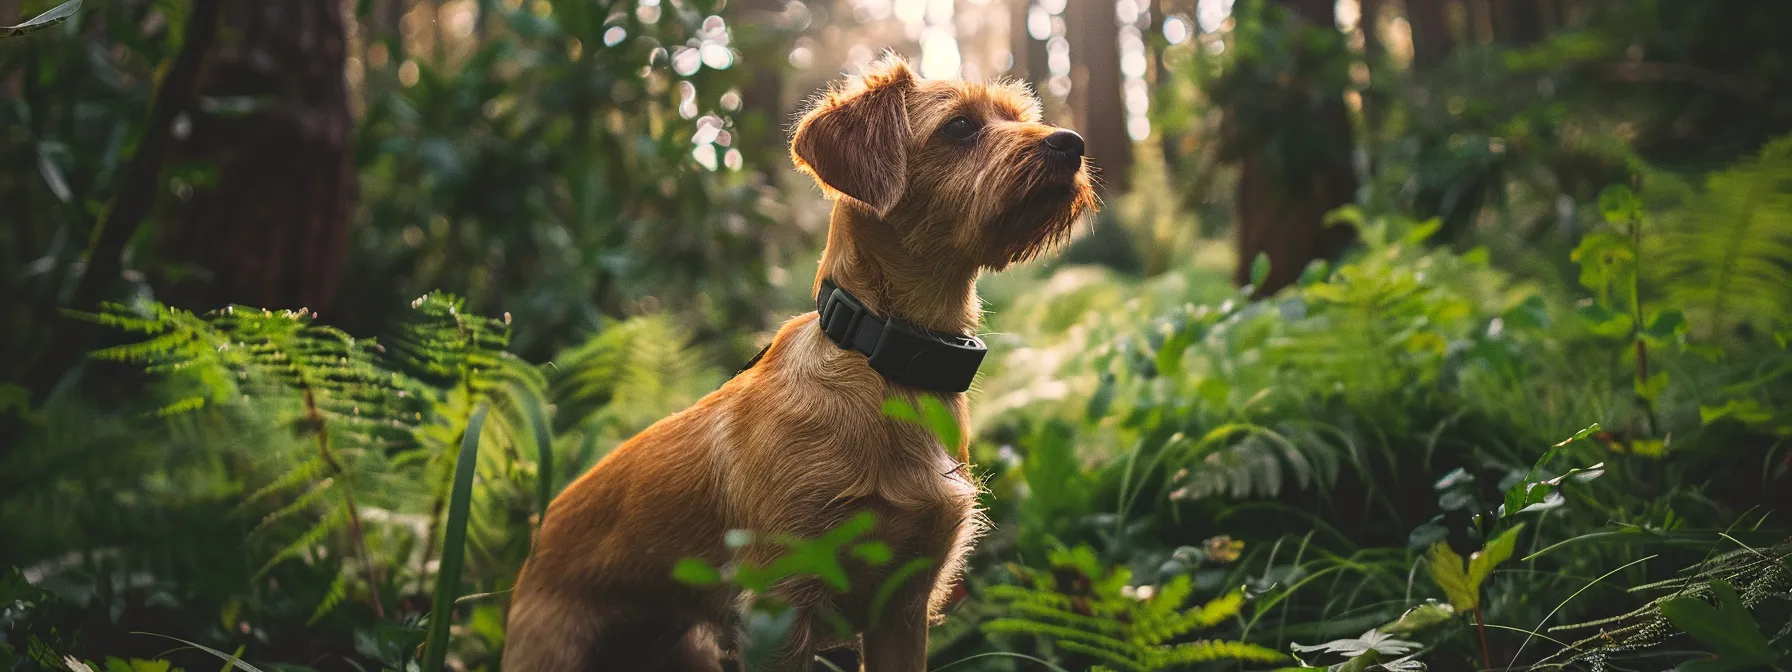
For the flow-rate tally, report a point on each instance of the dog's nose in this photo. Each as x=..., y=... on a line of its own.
x=1065, y=142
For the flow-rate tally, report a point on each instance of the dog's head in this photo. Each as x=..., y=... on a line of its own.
x=955, y=170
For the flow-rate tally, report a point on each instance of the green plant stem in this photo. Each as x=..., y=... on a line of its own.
x=1481, y=627
x=315, y=419
x=1636, y=299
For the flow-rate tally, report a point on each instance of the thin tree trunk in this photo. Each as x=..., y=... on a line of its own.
x=1281, y=213
x=1519, y=22
x=760, y=125
x=136, y=196
x=1431, y=39
x=1097, y=97
x=1020, y=43
x=273, y=229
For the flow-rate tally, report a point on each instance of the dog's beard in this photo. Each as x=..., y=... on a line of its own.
x=1045, y=210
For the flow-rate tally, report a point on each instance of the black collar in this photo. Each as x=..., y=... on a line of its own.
x=902, y=353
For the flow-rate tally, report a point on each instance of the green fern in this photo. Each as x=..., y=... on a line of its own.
x=368, y=411
x=1726, y=252
x=1095, y=613
x=625, y=375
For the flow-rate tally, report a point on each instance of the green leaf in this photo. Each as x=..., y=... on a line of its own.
x=1579, y=436
x=901, y=409
x=1423, y=231
x=543, y=433
x=1169, y=357
x=56, y=15
x=1745, y=411
x=1606, y=264
x=1605, y=322
x=873, y=552
x=1618, y=204
x=1651, y=388
x=1259, y=269
x=1462, y=585
x=695, y=572
x=1728, y=628
x=1420, y=618
x=933, y=414
x=1451, y=576
x=1667, y=324
x=1499, y=550
x=454, y=542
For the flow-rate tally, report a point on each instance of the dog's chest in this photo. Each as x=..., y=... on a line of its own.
x=802, y=469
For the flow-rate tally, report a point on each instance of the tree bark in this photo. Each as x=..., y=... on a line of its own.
x=272, y=228
x=1020, y=43
x=1431, y=39
x=1519, y=22
x=1097, y=96
x=1281, y=213
x=760, y=124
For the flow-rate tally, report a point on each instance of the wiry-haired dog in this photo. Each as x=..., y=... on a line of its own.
x=934, y=182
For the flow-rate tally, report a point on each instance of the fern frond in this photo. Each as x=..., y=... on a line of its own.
x=629, y=371
x=1122, y=661
x=1727, y=251
x=1209, y=650
x=311, y=539
x=303, y=502
x=1203, y=617
x=333, y=597
x=1130, y=629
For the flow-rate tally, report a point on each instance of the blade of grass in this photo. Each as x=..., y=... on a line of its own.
x=1005, y=654
x=1563, y=603
x=544, y=448
x=232, y=660
x=454, y=542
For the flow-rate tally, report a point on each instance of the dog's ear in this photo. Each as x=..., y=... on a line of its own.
x=854, y=140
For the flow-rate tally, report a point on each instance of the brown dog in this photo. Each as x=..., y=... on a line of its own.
x=934, y=182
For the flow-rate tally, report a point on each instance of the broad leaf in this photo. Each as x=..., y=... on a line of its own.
x=1728, y=628
x=1421, y=617
x=694, y=572
x=1460, y=581
x=1259, y=269
x=1618, y=204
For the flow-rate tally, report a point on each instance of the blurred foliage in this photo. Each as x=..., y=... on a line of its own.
x=551, y=172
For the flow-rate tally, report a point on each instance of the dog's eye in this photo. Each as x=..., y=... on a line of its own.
x=959, y=128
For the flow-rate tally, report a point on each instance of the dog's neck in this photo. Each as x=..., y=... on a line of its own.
x=865, y=256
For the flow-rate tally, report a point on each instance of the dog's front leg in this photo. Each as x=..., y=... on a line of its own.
x=899, y=642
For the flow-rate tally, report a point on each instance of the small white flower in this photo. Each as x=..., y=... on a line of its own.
x=76, y=665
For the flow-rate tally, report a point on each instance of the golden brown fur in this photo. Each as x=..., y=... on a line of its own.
x=799, y=443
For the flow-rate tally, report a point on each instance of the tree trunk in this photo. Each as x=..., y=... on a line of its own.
x=1519, y=22
x=271, y=229
x=759, y=126
x=1020, y=44
x=1097, y=96
x=1281, y=214
x=1431, y=39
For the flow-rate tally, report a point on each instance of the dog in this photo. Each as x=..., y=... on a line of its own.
x=933, y=183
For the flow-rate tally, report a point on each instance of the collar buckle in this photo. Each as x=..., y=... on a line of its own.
x=840, y=314
x=901, y=352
